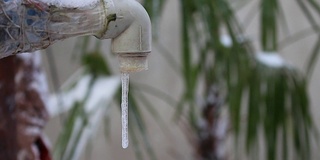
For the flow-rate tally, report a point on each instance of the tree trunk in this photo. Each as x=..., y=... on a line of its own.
x=213, y=128
x=8, y=142
x=23, y=114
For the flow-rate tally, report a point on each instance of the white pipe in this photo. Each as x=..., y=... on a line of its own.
x=130, y=33
x=38, y=25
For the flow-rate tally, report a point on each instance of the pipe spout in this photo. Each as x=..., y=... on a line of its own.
x=29, y=25
x=131, y=35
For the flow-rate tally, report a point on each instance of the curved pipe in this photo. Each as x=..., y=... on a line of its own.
x=29, y=25
x=131, y=35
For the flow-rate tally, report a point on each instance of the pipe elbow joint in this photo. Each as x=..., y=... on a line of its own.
x=130, y=30
x=136, y=38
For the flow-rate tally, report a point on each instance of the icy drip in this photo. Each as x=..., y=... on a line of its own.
x=124, y=109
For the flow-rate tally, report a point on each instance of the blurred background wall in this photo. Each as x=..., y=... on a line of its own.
x=172, y=143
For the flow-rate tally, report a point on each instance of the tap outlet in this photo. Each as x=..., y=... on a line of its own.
x=133, y=62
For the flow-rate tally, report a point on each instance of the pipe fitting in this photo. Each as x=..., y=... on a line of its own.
x=129, y=27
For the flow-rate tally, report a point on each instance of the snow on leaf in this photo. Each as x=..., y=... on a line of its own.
x=271, y=59
x=102, y=89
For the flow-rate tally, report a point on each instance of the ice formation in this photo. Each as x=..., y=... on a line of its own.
x=124, y=109
x=71, y=3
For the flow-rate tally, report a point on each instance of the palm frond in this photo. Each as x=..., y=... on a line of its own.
x=275, y=94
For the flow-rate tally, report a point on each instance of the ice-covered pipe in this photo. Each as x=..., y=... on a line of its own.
x=29, y=25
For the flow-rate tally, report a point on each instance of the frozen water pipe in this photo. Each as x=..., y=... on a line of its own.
x=29, y=25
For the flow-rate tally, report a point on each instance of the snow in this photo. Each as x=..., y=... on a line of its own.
x=41, y=83
x=69, y=98
x=27, y=57
x=39, y=80
x=18, y=77
x=33, y=131
x=226, y=40
x=271, y=59
x=101, y=94
x=103, y=89
x=71, y=3
x=33, y=120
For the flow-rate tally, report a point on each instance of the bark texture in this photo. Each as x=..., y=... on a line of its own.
x=212, y=128
x=23, y=114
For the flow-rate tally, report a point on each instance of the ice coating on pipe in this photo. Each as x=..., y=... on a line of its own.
x=30, y=25
x=70, y=3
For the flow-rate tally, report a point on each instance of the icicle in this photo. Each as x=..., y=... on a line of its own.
x=124, y=109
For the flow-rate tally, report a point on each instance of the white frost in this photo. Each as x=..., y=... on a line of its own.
x=271, y=59
x=71, y=3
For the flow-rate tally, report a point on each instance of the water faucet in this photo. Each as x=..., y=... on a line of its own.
x=29, y=25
